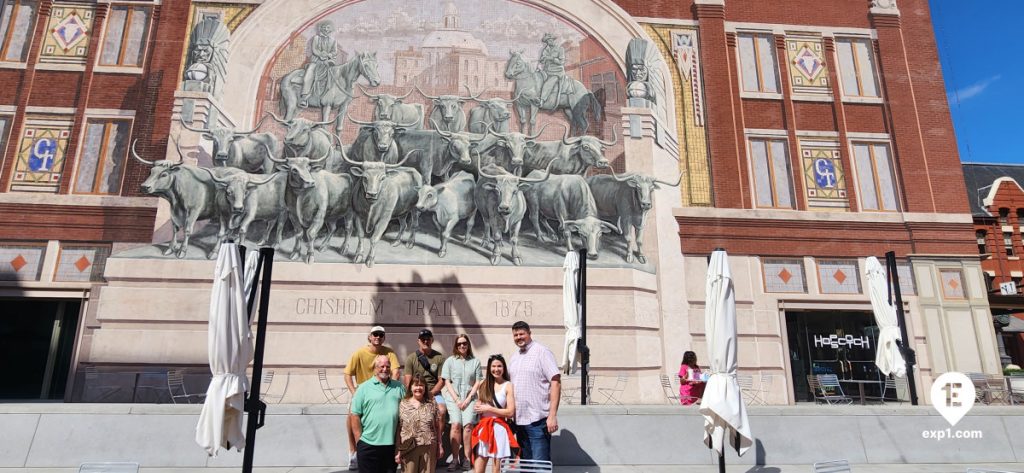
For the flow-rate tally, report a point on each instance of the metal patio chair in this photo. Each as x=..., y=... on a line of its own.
x=611, y=395
x=268, y=381
x=176, y=386
x=997, y=389
x=750, y=395
x=571, y=392
x=666, y=387
x=835, y=466
x=333, y=395
x=93, y=383
x=765, y=387
x=980, y=387
x=518, y=465
x=827, y=389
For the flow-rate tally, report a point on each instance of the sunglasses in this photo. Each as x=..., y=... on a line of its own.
x=462, y=344
x=377, y=334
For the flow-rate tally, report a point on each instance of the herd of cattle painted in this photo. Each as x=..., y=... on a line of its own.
x=401, y=165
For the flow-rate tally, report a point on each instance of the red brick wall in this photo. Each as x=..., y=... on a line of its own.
x=1009, y=196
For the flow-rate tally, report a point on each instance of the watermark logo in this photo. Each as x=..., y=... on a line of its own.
x=953, y=396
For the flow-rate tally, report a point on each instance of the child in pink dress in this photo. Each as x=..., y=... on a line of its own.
x=691, y=386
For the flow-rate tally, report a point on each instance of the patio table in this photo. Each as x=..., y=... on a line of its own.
x=860, y=387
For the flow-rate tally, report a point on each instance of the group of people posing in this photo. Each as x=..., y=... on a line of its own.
x=496, y=410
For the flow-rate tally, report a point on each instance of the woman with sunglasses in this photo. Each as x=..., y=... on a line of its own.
x=461, y=374
x=492, y=437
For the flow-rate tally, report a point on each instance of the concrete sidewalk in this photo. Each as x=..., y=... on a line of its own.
x=916, y=468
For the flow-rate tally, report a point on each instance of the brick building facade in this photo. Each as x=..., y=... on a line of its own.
x=805, y=143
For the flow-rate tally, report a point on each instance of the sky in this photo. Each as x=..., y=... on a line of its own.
x=980, y=48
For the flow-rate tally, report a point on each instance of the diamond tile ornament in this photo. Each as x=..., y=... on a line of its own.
x=70, y=31
x=18, y=262
x=808, y=63
x=82, y=264
x=839, y=276
x=953, y=284
x=785, y=275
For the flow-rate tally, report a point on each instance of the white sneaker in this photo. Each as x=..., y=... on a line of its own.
x=352, y=464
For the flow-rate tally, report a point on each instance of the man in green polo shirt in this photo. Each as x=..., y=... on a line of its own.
x=373, y=418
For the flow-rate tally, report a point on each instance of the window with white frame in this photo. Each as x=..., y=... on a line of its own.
x=770, y=163
x=17, y=21
x=758, y=67
x=857, y=67
x=101, y=162
x=981, y=235
x=1008, y=243
x=875, y=178
x=124, y=42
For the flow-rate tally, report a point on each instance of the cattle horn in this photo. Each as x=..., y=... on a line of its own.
x=547, y=174
x=357, y=122
x=257, y=127
x=347, y=159
x=565, y=137
x=214, y=176
x=270, y=154
x=625, y=177
x=322, y=158
x=136, y=155
x=446, y=134
x=615, y=139
x=177, y=147
x=519, y=93
x=491, y=131
x=315, y=124
x=405, y=125
x=196, y=130
x=539, y=132
x=671, y=185
x=480, y=170
x=279, y=119
x=372, y=96
x=475, y=98
x=406, y=158
x=431, y=97
x=268, y=179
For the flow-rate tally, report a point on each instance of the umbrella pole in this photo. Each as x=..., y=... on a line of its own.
x=253, y=406
x=584, y=350
x=908, y=352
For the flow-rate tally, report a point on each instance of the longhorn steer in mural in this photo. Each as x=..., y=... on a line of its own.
x=191, y=193
x=508, y=150
x=376, y=141
x=626, y=199
x=451, y=202
x=568, y=155
x=304, y=138
x=338, y=94
x=315, y=197
x=244, y=150
x=492, y=114
x=447, y=111
x=244, y=198
x=499, y=198
x=573, y=98
x=567, y=200
x=442, y=150
x=384, y=192
x=390, y=108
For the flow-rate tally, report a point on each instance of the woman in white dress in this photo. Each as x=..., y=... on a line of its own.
x=492, y=437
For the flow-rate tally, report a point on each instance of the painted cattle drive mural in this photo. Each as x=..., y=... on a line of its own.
x=414, y=132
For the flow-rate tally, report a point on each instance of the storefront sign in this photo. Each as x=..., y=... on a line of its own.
x=836, y=341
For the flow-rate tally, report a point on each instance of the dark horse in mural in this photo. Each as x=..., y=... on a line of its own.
x=337, y=93
x=577, y=104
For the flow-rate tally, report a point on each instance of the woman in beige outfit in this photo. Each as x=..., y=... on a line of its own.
x=419, y=429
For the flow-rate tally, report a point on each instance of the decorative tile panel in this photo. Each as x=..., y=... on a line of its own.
x=21, y=262
x=808, y=70
x=906, y=274
x=81, y=263
x=40, y=158
x=824, y=178
x=67, y=34
x=839, y=277
x=784, y=275
x=952, y=281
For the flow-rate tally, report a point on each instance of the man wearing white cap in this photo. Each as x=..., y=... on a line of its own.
x=360, y=367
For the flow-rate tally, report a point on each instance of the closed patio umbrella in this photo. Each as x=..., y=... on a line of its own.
x=887, y=356
x=570, y=310
x=725, y=415
x=230, y=349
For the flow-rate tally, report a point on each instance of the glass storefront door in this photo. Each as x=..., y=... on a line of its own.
x=37, y=338
x=842, y=343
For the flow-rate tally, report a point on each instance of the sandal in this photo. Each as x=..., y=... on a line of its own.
x=466, y=465
x=453, y=465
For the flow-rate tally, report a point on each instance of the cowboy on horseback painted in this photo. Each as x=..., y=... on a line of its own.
x=323, y=51
x=552, y=66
